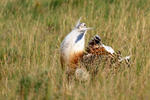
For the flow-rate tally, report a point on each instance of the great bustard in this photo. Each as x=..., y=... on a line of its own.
x=72, y=47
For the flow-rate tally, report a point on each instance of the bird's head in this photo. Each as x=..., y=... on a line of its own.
x=81, y=26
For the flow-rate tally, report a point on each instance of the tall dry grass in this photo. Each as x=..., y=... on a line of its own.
x=30, y=35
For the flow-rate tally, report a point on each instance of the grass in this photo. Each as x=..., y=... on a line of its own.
x=30, y=35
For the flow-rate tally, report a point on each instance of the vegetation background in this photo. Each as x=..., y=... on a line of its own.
x=30, y=35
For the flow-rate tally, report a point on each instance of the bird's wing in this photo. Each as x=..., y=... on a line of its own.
x=108, y=49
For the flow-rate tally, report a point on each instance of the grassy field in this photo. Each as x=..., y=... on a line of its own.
x=30, y=35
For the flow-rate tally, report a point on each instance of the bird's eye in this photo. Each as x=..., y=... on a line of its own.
x=84, y=25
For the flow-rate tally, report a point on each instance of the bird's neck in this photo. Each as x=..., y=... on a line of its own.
x=80, y=37
x=78, y=45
